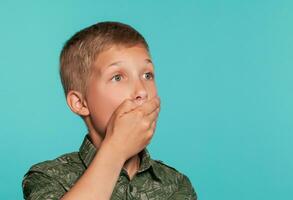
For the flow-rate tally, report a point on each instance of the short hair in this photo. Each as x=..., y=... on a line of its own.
x=81, y=50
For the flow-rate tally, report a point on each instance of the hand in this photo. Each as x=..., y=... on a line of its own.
x=132, y=126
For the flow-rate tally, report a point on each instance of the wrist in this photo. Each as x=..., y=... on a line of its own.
x=113, y=150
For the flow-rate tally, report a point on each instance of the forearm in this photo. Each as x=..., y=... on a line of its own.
x=99, y=180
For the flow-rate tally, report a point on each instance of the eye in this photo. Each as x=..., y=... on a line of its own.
x=117, y=77
x=149, y=75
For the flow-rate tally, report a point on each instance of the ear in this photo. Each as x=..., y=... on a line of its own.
x=77, y=103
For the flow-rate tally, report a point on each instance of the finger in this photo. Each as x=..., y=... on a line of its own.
x=152, y=129
x=150, y=106
x=153, y=116
x=126, y=106
x=153, y=126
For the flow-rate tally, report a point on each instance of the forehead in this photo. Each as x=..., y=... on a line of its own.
x=116, y=55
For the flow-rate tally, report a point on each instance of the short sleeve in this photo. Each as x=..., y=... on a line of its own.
x=185, y=190
x=39, y=186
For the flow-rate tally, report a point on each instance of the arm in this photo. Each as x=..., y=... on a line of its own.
x=97, y=182
x=100, y=178
x=136, y=126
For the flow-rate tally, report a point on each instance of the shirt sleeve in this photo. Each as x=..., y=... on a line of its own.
x=185, y=190
x=39, y=186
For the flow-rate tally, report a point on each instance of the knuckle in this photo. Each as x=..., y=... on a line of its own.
x=157, y=111
x=149, y=134
x=158, y=102
x=155, y=116
x=145, y=124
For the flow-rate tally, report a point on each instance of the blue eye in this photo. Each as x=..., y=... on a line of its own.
x=117, y=77
x=150, y=75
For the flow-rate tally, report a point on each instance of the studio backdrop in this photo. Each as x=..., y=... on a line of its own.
x=224, y=72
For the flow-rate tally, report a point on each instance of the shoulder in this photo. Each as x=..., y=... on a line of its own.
x=164, y=166
x=65, y=169
x=171, y=175
x=64, y=162
x=167, y=171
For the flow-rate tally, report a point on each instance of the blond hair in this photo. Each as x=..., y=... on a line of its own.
x=81, y=50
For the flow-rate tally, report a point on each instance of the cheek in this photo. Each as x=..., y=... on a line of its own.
x=112, y=98
x=153, y=90
x=101, y=110
x=109, y=96
x=115, y=93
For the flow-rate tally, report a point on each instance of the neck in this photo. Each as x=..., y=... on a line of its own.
x=132, y=165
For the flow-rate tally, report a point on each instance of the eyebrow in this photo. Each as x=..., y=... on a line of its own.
x=147, y=61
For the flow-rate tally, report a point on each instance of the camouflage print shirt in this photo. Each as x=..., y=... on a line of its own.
x=154, y=180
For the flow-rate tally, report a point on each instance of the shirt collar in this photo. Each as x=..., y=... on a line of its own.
x=87, y=152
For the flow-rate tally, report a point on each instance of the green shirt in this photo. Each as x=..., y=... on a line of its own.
x=154, y=180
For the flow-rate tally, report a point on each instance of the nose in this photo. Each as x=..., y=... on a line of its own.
x=140, y=92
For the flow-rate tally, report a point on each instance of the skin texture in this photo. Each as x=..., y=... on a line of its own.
x=119, y=73
x=120, y=109
x=120, y=113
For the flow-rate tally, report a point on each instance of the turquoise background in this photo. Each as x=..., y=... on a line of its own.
x=224, y=73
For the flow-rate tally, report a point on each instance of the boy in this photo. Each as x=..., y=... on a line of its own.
x=108, y=79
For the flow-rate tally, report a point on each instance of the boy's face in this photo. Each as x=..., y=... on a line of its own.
x=119, y=73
